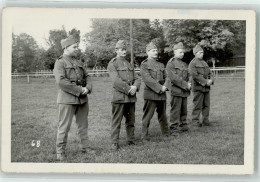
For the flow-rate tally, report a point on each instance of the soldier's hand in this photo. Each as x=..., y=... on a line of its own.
x=85, y=91
x=164, y=89
x=209, y=82
x=189, y=86
x=132, y=90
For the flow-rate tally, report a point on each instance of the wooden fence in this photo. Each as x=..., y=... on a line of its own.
x=219, y=72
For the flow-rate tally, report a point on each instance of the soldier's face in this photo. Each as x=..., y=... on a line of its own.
x=121, y=52
x=153, y=53
x=179, y=53
x=199, y=54
x=73, y=49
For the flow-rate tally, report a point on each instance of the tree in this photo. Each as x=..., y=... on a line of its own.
x=218, y=37
x=24, y=50
x=101, y=41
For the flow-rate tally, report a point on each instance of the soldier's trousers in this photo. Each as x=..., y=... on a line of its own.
x=178, y=114
x=201, y=104
x=118, y=111
x=66, y=113
x=148, y=109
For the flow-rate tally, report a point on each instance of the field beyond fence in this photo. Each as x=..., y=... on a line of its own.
x=34, y=124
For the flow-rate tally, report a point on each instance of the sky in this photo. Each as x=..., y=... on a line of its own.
x=39, y=25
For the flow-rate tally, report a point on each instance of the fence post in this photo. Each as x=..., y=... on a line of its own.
x=28, y=79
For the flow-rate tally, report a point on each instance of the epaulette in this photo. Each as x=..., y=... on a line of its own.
x=60, y=57
x=193, y=60
x=144, y=61
x=113, y=59
x=171, y=59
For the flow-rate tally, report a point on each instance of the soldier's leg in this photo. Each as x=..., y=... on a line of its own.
x=82, y=123
x=183, y=121
x=117, y=116
x=162, y=118
x=175, y=112
x=206, y=108
x=66, y=113
x=129, y=113
x=148, y=109
x=197, y=106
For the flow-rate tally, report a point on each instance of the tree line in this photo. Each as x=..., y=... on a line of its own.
x=221, y=40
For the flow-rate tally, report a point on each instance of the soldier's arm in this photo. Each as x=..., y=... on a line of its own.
x=174, y=78
x=89, y=82
x=63, y=82
x=212, y=77
x=137, y=81
x=196, y=76
x=149, y=81
x=118, y=83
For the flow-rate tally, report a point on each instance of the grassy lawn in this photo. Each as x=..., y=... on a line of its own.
x=34, y=117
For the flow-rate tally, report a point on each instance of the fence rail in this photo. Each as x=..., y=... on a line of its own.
x=219, y=72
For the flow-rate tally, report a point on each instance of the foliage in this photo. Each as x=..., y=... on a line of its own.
x=24, y=50
x=219, y=37
x=105, y=33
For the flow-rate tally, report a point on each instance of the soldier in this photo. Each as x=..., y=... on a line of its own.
x=125, y=85
x=177, y=73
x=202, y=78
x=74, y=85
x=153, y=74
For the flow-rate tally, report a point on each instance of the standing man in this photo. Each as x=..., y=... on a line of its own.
x=74, y=85
x=202, y=78
x=177, y=73
x=154, y=76
x=125, y=85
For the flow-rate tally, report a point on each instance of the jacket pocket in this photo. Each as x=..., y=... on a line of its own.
x=118, y=96
x=64, y=97
x=200, y=69
x=153, y=72
x=175, y=90
x=70, y=73
x=160, y=76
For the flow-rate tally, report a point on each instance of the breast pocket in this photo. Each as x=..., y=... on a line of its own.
x=70, y=73
x=153, y=72
x=200, y=69
x=123, y=72
x=160, y=73
x=207, y=71
x=185, y=74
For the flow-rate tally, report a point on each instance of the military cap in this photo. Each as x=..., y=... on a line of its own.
x=178, y=46
x=150, y=46
x=196, y=49
x=121, y=44
x=68, y=41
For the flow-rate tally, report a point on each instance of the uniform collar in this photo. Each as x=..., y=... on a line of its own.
x=67, y=56
x=120, y=58
x=152, y=59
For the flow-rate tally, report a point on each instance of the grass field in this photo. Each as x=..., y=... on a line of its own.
x=34, y=118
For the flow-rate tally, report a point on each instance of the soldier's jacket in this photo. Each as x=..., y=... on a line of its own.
x=178, y=76
x=200, y=73
x=67, y=71
x=123, y=76
x=154, y=77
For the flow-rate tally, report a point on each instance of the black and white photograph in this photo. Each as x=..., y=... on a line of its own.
x=132, y=91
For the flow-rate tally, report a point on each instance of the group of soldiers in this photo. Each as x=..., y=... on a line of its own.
x=178, y=78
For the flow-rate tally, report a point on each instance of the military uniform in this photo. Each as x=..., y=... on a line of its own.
x=123, y=76
x=200, y=73
x=178, y=76
x=70, y=75
x=154, y=77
